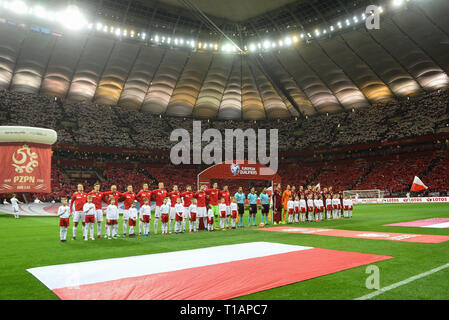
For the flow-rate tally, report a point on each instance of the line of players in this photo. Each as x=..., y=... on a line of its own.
x=88, y=210
x=307, y=205
x=176, y=207
x=311, y=209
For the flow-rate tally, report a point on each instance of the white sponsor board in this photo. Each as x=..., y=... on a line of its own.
x=404, y=200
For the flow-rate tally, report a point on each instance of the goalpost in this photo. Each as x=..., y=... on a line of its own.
x=364, y=194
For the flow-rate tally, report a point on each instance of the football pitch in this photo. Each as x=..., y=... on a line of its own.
x=34, y=242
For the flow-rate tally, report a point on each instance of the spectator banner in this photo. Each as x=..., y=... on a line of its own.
x=26, y=167
x=404, y=200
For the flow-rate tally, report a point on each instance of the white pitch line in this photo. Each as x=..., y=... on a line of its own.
x=401, y=283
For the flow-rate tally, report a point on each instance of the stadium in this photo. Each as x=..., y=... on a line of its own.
x=145, y=142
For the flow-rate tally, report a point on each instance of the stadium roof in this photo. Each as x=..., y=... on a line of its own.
x=234, y=10
x=351, y=69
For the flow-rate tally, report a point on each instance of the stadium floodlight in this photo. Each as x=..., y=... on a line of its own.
x=40, y=12
x=18, y=6
x=72, y=18
x=252, y=47
x=266, y=44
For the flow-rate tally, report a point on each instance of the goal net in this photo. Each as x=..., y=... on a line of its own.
x=364, y=194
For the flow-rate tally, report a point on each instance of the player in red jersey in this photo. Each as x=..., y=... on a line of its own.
x=129, y=197
x=113, y=193
x=97, y=198
x=226, y=195
x=200, y=196
x=79, y=198
x=143, y=194
x=174, y=195
x=159, y=195
x=187, y=197
x=213, y=194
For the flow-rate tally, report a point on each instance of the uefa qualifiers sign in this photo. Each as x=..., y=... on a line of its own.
x=25, y=159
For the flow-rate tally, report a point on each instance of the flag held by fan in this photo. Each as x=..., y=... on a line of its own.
x=418, y=185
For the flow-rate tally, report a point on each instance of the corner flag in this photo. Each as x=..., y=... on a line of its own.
x=418, y=185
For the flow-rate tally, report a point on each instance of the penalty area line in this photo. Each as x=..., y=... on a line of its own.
x=403, y=282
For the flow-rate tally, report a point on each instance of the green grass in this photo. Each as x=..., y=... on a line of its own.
x=34, y=241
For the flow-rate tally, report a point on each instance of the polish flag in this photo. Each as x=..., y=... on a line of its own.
x=198, y=274
x=418, y=185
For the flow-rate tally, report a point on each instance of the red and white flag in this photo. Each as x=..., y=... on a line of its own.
x=418, y=185
x=221, y=272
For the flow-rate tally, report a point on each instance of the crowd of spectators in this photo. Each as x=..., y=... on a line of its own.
x=86, y=123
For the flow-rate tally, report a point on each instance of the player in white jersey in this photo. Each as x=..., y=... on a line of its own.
x=335, y=205
x=321, y=206
x=296, y=206
x=210, y=218
x=145, y=216
x=328, y=207
x=179, y=214
x=310, y=207
x=193, y=220
x=345, y=207
x=132, y=219
x=290, y=209
x=223, y=210
x=351, y=207
x=111, y=219
x=164, y=210
x=64, y=219
x=303, y=208
x=234, y=211
x=89, y=216
x=15, y=205
x=316, y=203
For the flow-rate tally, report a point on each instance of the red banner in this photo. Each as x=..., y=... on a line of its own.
x=26, y=167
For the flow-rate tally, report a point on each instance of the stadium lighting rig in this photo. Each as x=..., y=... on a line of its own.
x=72, y=18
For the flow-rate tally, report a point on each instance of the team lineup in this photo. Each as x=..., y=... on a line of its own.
x=205, y=206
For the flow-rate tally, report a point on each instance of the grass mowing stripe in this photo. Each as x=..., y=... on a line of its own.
x=403, y=282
